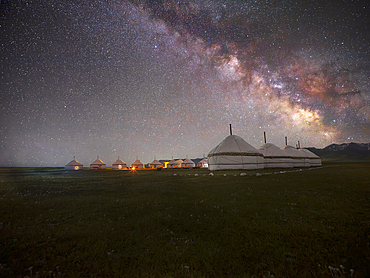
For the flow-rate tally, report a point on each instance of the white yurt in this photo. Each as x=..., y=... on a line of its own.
x=300, y=159
x=74, y=165
x=119, y=164
x=274, y=157
x=98, y=165
x=203, y=163
x=137, y=164
x=187, y=163
x=155, y=164
x=173, y=164
x=234, y=153
x=314, y=159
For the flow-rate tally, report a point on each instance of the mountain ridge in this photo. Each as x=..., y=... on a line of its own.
x=343, y=152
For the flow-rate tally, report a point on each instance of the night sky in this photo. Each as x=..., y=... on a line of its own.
x=156, y=79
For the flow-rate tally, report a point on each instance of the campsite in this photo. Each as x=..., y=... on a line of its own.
x=301, y=222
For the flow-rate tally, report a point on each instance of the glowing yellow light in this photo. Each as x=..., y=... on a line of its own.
x=76, y=167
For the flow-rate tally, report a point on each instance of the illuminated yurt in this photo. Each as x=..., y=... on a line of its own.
x=173, y=164
x=274, y=157
x=119, y=164
x=180, y=161
x=234, y=153
x=187, y=163
x=313, y=159
x=203, y=163
x=74, y=165
x=155, y=164
x=137, y=164
x=300, y=159
x=98, y=165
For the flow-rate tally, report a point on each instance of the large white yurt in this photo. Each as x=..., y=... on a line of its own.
x=155, y=164
x=98, y=165
x=313, y=159
x=74, y=165
x=173, y=164
x=300, y=159
x=137, y=164
x=119, y=164
x=187, y=163
x=274, y=157
x=203, y=163
x=234, y=153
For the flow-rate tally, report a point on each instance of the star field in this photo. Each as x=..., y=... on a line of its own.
x=165, y=78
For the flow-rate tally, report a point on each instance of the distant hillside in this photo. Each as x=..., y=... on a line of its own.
x=344, y=152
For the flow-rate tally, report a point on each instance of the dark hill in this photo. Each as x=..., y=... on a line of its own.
x=344, y=152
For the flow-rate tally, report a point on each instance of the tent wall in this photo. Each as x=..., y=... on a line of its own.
x=273, y=162
x=227, y=162
x=119, y=166
x=98, y=166
x=74, y=167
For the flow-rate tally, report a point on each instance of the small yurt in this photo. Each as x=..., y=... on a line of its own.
x=234, y=153
x=187, y=163
x=74, y=165
x=119, y=164
x=155, y=164
x=313, y=159
x=180, y=161
x=203, y=163
x=137, y=164
x=173, y=164
x=300, y=159
x=274, y=157
x=98, y=165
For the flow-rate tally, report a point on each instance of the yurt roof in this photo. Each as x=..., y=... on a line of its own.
x=98, y=162
x=234, y=145
x=294, y=152
x=180, y=161
x=155, y=162
x=173, y=162
x=186, y=161
x=137, y=162
x=270, y=150
x=119, y=162
x=74, y=162
x=309, y=153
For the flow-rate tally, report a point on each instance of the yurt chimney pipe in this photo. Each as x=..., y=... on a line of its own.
x=231, y=131
x=286, y=141
x=264, y=136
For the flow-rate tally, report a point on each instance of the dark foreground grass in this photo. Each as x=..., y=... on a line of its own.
x=310, y=223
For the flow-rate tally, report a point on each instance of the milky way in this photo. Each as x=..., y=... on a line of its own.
x=163, y=79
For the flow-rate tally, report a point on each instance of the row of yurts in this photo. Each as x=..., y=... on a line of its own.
x=232, y=153
x=137, y=164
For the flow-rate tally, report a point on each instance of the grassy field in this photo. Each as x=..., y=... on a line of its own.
x=186, y=223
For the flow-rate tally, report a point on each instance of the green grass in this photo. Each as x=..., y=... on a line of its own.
x=157, y=224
